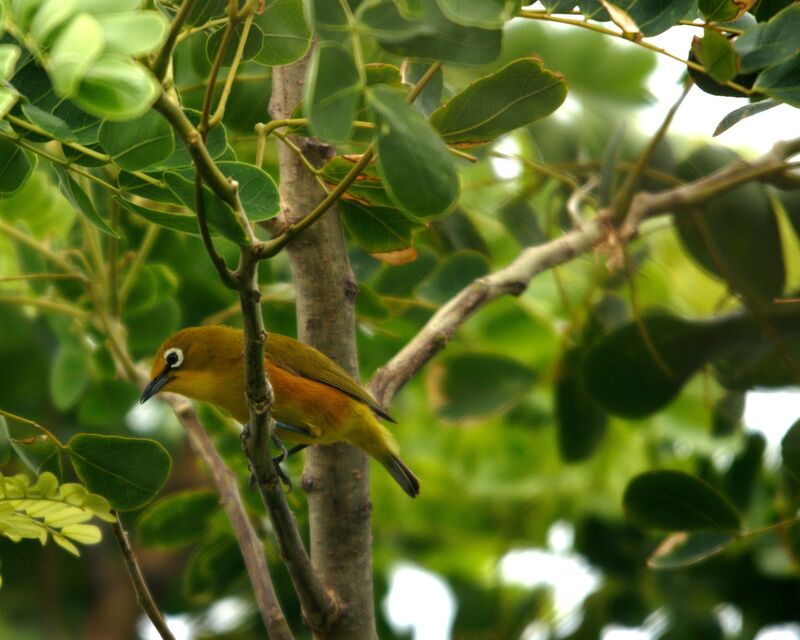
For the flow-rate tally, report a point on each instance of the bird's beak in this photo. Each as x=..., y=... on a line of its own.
x=156, y=384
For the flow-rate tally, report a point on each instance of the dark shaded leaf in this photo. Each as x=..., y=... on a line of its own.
x=413, y=162
x=734, y=236
x=782, y=82
x=678, y=501
x=286, y=34
x=16, y=167
x=581, y=422
x=770, y=43
x=377, y=229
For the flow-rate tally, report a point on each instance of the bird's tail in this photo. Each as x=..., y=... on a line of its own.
x=402, y=475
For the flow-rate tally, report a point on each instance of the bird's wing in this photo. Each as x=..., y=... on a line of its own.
x=305, y=361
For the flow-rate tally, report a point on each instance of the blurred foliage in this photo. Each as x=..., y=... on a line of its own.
x=599, y=398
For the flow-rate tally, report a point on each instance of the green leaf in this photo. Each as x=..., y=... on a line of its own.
x=782, y=82
x=16, y=167
x=478, y=385
x=453, y=274
x=367, y=188
x=76, y=49
x=715, y=52
x=139, y=143
x=677, y=501
x=581, y=423
x=401, y=280
x=128, y=472
x=522, y=221
x=377, y=229
x=332, y=93
x=790, y=459
x=106, y=404
x=178, y=519
x=133, y=33
x=681, y=550
x=69, y=375
x=737, y=115
x=735, y=236
x=726, y=417
x=51, y=15
x=101, y=7
x=252, y=47
x=382, y=73
x=218, y=214
x=9, y=55
x=413, y=161
x=770, y=43
x=202, y=12
x=632, y=375
x=80, y=201
x=174, y=221
x=116, y=88
x=520, y=93
x=83, y=126
x=8, y=99
x=432, y=36
x=329, y=19
x=655, y=16
x=216, y=144
x=719, y=10
x=286, y=34
x=479, y=13
x=48, y=122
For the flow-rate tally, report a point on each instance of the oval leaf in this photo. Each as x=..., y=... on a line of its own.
x=116, y=88
x=128, y=472
x=332, y=93
x=15, y=168
x=139, y=143
x=413, y=161
x=633, y=376
x=80, y=201
x=286, y=33
x=678, y=501
x=734, y=236
x=518, y=94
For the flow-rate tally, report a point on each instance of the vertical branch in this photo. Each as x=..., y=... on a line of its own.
x=336, y=477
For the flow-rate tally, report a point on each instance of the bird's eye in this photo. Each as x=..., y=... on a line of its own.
x=173, y=357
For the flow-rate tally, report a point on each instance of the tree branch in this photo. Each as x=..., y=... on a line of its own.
x=514, y=278
x=143, y=596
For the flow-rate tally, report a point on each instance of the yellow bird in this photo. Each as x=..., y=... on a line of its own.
x=316, y=401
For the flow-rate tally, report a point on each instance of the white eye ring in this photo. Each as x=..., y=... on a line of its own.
x=179, y=357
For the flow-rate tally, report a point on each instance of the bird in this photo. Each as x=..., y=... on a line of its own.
x=316, y=400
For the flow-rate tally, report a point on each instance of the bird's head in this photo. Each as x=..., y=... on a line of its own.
x=190, y=355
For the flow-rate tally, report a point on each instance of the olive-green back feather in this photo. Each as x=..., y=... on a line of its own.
x=305, y=361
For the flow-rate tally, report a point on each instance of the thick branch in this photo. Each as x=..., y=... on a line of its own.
x=514, y=278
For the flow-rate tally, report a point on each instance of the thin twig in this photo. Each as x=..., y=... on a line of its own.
x=514, y=278
x=143, y=596
x=48, y=305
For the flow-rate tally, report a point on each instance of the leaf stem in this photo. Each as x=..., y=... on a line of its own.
x=161, y=63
